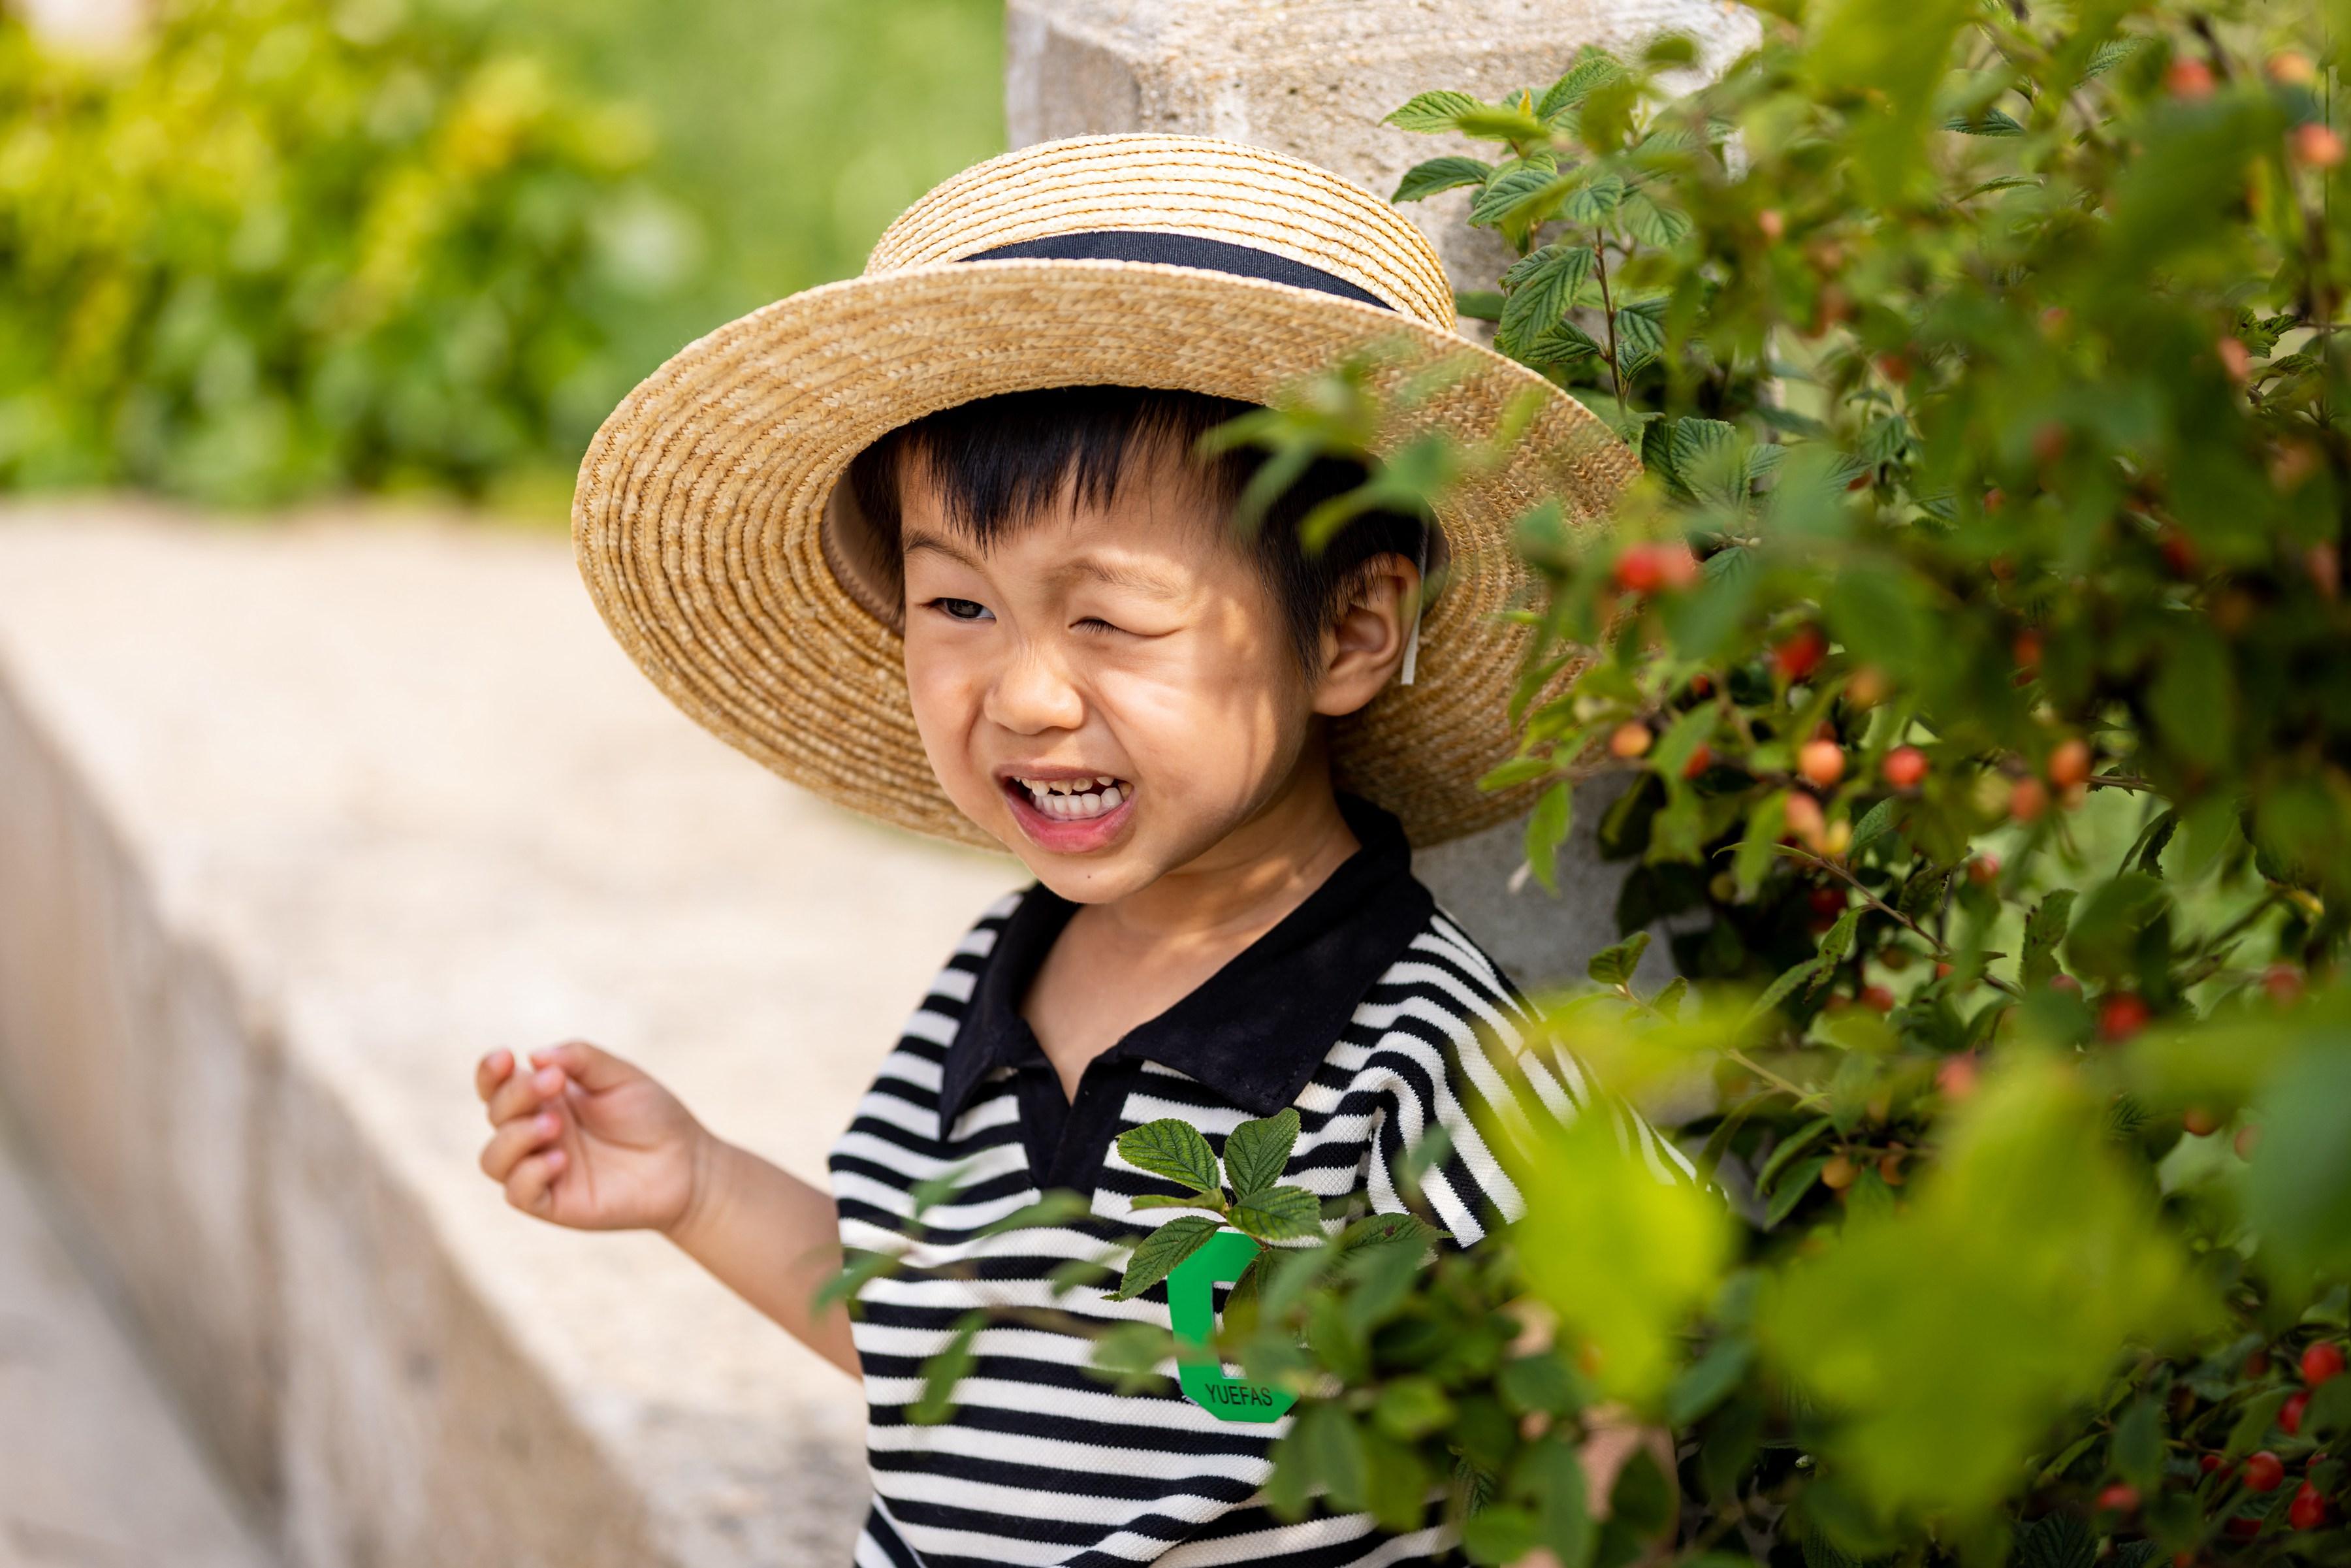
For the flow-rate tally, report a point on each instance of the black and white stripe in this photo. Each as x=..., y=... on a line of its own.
x=1042, y=1462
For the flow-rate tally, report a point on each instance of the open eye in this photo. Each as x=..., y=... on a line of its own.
x=963, y=609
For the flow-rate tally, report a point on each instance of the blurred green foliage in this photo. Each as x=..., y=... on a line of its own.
x=290, y=247
x=1975, y=658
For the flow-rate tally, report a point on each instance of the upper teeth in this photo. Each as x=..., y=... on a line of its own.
x=1075, y=798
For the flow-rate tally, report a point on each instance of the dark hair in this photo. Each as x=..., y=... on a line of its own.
x=1000, y=462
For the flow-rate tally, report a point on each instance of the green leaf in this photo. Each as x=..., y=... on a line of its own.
x=1562, y=343
x=943, y=1370
x=1780, y=989
x=1615, y=966
x=1792, y=1190
x=1639, y=340
x=1569, y=91
x=1173, y=1149
x=1546, y=828
x=1985, y=122
x=2058, y=1539
x=1518, y=770
x=1788, y=1149
x=1652, y=223
x=1429, y=112
x=1424, y=180
x=1594, y=202
x=1708, y=1383
x=1875, y=824
x=1706, y=460
x=1519, y=192
x=2045, y=929
x=1256, y=1151
x=1479, y=304
x=1156, y=1255
x=1540, y=288
x=1171, y=1200
x=2137, y=1452
x=1501, y=122
x=1278, y=1214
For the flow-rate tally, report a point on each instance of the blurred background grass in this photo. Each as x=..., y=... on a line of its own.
x=266, y=250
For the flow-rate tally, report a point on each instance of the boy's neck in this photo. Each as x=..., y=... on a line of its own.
x=1259, y=872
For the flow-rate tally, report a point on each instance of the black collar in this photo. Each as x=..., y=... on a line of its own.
x=1256, y=1029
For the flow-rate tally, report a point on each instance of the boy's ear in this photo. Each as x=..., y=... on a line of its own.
x=1362, y=645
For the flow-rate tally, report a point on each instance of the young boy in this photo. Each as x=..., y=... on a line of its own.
x=929, y=518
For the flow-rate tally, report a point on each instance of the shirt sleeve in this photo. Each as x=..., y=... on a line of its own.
x=1470, y=1069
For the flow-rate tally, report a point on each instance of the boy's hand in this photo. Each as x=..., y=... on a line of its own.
x=584, y=1139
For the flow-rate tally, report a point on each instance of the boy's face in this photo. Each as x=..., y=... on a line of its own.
x=1135, y=643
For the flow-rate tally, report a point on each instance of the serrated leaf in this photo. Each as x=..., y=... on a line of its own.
x=1256, y=1151
x=1541, y=287
x=1838, y=940
x=1985, y=122
x=1639, y=340
x=1668, y=1001
x=1652, y=223
x=1706, y=462
x=1778, y=990
x=1278, y=1214
x=1424, y=180
x=2058, y=1539
x=2045, y=929
x=1520, y=191
x=1429, y=112
x=1562, y=343
x=1788, y=1148
x=1156, y=1255
x=1173, y=1149
x=1875, y=824
x=1572, y=89
x=1593, y=202
x=1615, y=966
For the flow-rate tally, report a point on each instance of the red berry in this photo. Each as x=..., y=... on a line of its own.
x=2235, y=359
x=2241, y=1529
x=2257, y=1364
x=2049, y=442
x=2264, y=1472
x=1895, y=367
x=1649, y=565
x=1956, y=1077
x=2119, y=1498
x=1821, y=762
x=1984, y=869
x=2028, y=800
x=1904, y=767
x=2308, y=1509
x=2069, y=764
x=2284, y=983
x=2316, y=147
x=2289, y=1417
x=2208, y=1463
x=2199, y=1122
x=2321, y=1362
x=1701, y=760
x=1805, y=822
x=2122, y=1016
x=1800, y=654
x=2248, y=1139
x=1944, y=971
x=1877, y=998
x=2189, y=79
x=1827, y=902
x=2066, y=983
x=1771, y=224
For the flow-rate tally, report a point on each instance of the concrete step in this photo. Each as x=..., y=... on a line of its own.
x=295, y=820
x=96, y=1470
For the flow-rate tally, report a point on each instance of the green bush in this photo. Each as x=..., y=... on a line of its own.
x=293, y=246
x=1974, y=657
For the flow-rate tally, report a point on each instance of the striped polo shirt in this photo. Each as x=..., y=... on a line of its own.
x=1366, y=1008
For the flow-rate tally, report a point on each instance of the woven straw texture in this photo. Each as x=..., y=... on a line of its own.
x=697, y=518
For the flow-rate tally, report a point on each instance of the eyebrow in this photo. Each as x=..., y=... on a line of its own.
x=1141, y=580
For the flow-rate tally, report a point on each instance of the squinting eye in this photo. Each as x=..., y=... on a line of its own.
x=963, y=609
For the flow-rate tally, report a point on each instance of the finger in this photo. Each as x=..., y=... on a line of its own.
x=530, y=1186
x=595, y=1068
x=525, y=1093
x=491, y=1071
x=512, y=1141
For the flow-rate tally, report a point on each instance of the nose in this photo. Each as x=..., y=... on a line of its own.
x=1034, y=693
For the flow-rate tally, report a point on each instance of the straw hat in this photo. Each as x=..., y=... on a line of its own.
x=725, y=554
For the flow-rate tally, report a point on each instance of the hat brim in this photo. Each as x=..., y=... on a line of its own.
x=699, y=517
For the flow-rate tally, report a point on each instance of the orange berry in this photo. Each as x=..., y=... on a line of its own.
x=2248, y=1139
x=2291, y=69
x=1984, y=869
x=2313, y=146
x=1773, y=226
x=2028, y=800
x=1646, y=567
x=1889, y=1169
x=1956, y=1077
x=2235, y=359
x=1904, y=768
x=1877, y=998
x=2069, y=764
x=1895, y=367
x=1821, y=762
x=2026, y=650
x=1631, y=739
x=2199, y=1122
x=1840, y=1173
x=1805, y=823
x=1701, y=760
x=1800, y=654
x=2189, y=79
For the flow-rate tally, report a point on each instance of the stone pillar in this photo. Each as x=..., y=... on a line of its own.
x=1314, y=79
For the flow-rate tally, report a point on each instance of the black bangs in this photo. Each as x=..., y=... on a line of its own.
x=998, y=465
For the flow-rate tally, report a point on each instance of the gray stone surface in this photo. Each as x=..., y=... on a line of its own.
x=96, y=1470
x=295, y=821
x=1314, y=77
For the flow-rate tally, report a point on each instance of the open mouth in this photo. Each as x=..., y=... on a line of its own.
x=1071, y=800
